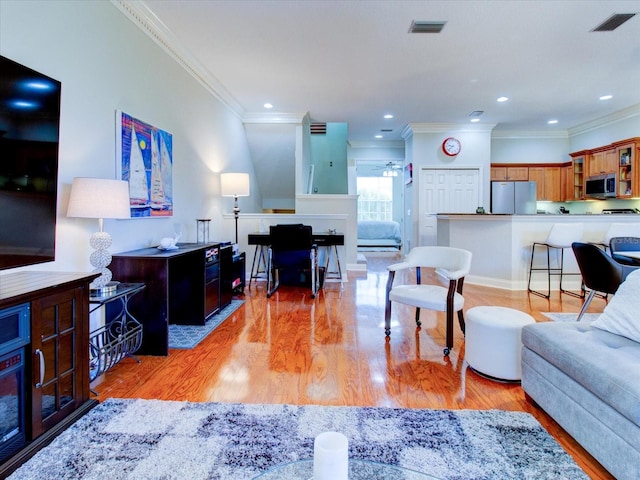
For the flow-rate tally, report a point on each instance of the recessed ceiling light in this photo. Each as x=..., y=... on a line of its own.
x=606, y=97
x=388, y=115
x=378, y=136
x=474, y=120
x=552, y=122
x=268, y=105
x=502, y=99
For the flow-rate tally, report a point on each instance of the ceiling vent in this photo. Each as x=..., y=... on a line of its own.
x=318, y=129
x=426, y=27
x=476, y=113
x=386, y=130
x=613, y=22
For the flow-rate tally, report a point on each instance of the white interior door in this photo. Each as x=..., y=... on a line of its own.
x=446, y=191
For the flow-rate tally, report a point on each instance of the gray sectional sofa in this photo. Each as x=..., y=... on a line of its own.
x=588, y=380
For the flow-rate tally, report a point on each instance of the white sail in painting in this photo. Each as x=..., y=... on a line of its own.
x=158, y=199
x=138, y=188
x=166, y=167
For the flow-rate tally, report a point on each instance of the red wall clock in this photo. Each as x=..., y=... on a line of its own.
x=451, y=146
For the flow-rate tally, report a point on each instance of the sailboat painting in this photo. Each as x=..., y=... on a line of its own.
x=145, y=160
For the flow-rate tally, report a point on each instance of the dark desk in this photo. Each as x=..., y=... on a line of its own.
x=177, y=288
x=330, y=241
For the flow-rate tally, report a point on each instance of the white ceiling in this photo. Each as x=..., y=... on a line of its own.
x=354, y=61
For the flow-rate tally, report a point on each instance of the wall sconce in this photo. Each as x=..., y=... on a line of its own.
x=235, y=185
x=100, y=198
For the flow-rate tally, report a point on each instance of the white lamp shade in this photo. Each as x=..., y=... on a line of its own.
x=99, y=198
x=234, y=184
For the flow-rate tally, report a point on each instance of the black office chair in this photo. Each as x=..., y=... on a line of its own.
x=619, y=245
x=292, y=258
x=600, y=272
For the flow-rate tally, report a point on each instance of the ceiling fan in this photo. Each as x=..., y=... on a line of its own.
x=390, y=169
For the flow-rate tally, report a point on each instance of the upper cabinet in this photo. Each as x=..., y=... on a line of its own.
x=504, y=173
x=627, y=166
x=602, y=160
x=549, y=182
x=620, y=158
x=575, y=187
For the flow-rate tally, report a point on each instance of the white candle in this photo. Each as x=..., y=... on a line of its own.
x=331, y=456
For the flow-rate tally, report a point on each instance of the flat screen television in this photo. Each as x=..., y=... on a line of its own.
x=29, y=136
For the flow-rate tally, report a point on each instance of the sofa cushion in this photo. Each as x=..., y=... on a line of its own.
x=620, y=316
x=607, y=365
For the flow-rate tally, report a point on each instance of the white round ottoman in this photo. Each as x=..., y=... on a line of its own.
x=493, y=341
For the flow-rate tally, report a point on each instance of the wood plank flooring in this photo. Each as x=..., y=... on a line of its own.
x=332, y=351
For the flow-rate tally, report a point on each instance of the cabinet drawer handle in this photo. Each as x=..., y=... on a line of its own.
x=42, y=368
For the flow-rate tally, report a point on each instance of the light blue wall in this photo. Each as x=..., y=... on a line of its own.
x=106, y=63
x=530, y=149
x=329, y=156
x=624, y=125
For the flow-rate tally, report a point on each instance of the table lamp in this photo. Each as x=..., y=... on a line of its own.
x=234, y=185
x=100, y=198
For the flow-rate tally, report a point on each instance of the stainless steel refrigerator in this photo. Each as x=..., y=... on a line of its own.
x=513, y=197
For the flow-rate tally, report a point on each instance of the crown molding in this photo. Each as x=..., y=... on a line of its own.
x=386, y=144
x=413, y=128
x=515, y=134
x=138, y=12
x=274, y=117
x=624, y=114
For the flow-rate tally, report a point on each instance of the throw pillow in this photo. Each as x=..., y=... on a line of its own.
x=621, y=316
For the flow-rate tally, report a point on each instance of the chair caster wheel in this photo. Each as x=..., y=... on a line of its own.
x=446, y=352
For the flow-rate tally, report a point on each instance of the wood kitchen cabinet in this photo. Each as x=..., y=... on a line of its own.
x=567, y=183
x=513, y=173
x=576, y=182
x=628, y=171
x=620, y=157
x=602, y=160
x=549, y=182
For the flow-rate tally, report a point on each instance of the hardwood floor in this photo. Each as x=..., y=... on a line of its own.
x=332, y=351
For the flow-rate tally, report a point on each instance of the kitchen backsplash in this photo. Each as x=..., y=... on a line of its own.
x=587, y=206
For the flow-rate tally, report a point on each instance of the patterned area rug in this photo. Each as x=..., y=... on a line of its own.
x=153, y=439
x=188, y=336
x=570, y=317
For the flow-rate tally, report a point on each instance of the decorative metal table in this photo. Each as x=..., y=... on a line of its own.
x=120, y=337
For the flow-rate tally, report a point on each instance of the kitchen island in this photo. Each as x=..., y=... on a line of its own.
x=501, y=244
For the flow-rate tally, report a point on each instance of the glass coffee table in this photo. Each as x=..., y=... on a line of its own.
x=358, y=470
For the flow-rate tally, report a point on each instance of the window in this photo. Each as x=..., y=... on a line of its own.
x=375, y=198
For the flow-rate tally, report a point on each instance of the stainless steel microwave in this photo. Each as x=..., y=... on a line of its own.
x=601, y=186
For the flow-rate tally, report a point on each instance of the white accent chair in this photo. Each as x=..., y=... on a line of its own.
x=560, y=237
x=451, y=266
x=620, y=230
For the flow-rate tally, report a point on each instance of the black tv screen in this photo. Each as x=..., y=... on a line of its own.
x=29, y=135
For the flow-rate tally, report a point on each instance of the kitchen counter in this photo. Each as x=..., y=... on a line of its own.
x=501, y=244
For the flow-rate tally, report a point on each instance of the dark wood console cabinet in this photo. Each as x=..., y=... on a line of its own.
x=56, y=396
x=183, y=287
